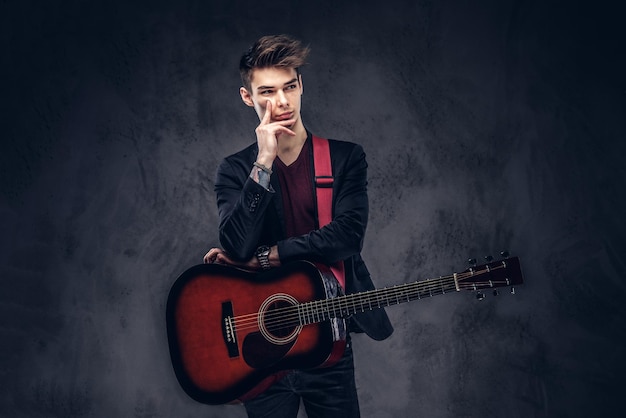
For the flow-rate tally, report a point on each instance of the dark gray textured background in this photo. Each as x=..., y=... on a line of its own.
x=488, y=125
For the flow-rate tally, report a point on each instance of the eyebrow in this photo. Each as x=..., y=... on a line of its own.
x=294, y=80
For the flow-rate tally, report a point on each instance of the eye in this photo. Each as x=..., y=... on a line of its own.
x=290, y=87
x=266, y=92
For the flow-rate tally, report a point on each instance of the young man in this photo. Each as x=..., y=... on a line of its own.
x=268, y=217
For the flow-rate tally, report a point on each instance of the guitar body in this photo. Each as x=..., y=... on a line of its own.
x=231, y=332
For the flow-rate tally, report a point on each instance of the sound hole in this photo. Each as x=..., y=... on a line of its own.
x=278, y=319
x=278, y=328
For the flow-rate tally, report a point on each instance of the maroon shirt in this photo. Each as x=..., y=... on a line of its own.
x=296, y=187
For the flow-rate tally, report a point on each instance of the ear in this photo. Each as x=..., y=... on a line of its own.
x=246, y=97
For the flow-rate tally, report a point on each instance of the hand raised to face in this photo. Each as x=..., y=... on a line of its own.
x=268, y=132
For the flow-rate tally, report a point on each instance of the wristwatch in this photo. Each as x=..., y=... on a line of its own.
x=263, y=255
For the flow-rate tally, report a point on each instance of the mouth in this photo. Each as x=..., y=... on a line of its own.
x=284, y=116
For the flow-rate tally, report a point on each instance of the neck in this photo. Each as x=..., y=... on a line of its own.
x=289, y=147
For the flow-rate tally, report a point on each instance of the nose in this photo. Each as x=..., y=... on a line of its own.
x=281, y=98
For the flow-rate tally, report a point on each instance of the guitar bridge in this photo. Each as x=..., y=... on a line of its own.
x=228, y=330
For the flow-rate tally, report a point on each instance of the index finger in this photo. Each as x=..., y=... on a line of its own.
x=268, y=113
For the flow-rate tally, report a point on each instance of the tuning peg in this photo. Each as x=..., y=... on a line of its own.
x=472, y=262
x=488, y=258
x=495, y=292
x=512, y=290
x=480, y=295
x=504, y=254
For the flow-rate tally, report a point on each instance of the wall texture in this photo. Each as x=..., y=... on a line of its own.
x=488, y=125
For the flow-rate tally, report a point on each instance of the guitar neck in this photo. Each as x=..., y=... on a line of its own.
x=344, y=306
x=497, y=274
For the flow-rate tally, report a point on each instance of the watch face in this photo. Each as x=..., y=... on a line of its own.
x=262, y=254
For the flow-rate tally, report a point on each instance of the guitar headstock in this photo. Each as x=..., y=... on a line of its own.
x=492, y=275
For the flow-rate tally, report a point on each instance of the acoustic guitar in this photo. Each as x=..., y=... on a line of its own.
x=232, y=332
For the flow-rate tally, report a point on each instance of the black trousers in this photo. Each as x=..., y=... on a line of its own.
x=325, y=393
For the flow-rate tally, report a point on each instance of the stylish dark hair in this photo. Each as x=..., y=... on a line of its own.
x=281, y=51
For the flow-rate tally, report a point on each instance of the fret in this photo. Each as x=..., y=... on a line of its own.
x=342, y=306
x=317, y=313
x=300, y=319
x=311, y=313
x=308, y=313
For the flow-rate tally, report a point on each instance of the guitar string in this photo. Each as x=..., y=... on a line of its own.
x=316, y=311
x=377, y=292
x=382, y=293
x=320, y=310
x=348, y=303
x=291, y=317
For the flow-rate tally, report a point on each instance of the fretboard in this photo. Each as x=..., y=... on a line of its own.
x=344, y=306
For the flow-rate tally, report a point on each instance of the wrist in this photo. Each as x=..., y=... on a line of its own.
x=274, y=256
x=263, y=167
x=266, y=159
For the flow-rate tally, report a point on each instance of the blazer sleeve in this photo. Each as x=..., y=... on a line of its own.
x=241, y=203
x=343, y=236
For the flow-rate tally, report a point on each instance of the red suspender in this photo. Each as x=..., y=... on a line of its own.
x=324, y=192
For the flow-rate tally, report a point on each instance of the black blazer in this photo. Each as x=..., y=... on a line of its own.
x=251, y=216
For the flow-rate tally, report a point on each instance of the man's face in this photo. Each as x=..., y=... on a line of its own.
x=281, y=86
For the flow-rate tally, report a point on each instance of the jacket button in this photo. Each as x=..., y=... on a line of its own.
x=255, y=202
